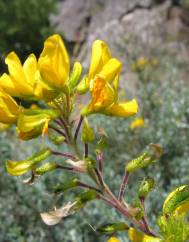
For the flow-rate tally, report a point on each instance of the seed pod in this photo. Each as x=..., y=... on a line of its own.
x=145, y=187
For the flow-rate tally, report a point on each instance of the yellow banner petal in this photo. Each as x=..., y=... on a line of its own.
x=100, y=56
x=110, y=70
x=54, y=62
x=125, y=109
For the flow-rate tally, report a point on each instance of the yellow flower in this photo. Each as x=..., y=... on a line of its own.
x=34, y=122
x=8, y=109
x=113, y=239
x=102, y=64
x=137, y=123
x=103, y=82
x=142, y=62
x=136, y=236
x=104, y=100
x=21, y=79
x=54, y=64
x=42, y=90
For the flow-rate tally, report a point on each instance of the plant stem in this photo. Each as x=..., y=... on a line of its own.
x=64, y=155
x=86, y=150
x=81, y=184
x=144, y=219
x=123, y=186
x=78, y=128
x=57, y=130
x=99, y=157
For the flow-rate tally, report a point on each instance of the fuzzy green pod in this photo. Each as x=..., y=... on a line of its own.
x=18, y=168
x=47, y=167
x=145, y=187
x=153, y=152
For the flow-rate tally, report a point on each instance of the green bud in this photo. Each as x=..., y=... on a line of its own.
x=145, y=187
x=113, y=227
x=75, y=75
x=83, y=86
x=87, y=135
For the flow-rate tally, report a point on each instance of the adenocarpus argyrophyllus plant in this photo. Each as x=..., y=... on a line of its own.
x=49, y=83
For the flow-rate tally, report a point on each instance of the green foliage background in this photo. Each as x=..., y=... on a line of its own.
x=24, y=25
x=164, y=106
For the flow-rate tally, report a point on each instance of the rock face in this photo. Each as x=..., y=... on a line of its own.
x=130, y=27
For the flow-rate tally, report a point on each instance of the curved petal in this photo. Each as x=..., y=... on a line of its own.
x=110, y=70
x=54, y=62
x=14, y=66
x=125, y=109
x=8, y=109
x=99, y=57
x=30, y=68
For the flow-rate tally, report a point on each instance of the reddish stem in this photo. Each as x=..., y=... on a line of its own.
x=64, y=155
x=123, y=186
x=78, y=128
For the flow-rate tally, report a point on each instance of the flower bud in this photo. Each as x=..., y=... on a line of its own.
x=145, y=187
x=88, y=135
x=18, y=168
x=75, y=75
x=83, y=86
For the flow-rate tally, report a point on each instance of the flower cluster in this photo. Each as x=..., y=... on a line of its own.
x=48, y=79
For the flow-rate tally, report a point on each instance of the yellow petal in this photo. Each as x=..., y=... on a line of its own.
x=102, y=94
x=54, y=62
x=33, y=122
x=137, y=123
x=136, y=236
x=125, y=109
x=110, y=70
x=8, y=109
x=19, y=82
x=113, y=239
x=15, y=66
x=100, y=56
x=42, y=90
x=30, y=68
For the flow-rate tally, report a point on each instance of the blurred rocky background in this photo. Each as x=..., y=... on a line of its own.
x=151, y=38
